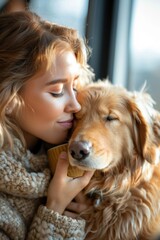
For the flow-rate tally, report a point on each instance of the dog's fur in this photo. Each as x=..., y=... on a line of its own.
x=117, y=128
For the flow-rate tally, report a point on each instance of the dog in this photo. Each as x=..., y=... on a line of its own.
x=115, y=134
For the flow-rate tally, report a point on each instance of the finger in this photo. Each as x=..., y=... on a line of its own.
x=88, y=174
x=85, y=179
x=62, y=165
x=80, y=198
x=71, y=214
x=77, y=207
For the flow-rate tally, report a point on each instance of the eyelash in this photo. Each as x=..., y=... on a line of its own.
x=61, y=93
x=57, y=94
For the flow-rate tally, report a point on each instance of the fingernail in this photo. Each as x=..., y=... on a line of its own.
x=63, y=155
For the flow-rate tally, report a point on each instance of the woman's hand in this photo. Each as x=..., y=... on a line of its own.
x=77, y=206
x=63, y=189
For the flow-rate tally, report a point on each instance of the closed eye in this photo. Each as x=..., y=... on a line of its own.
x=57, y=94
x=111, y=118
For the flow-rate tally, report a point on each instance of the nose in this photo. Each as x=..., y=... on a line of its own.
x=73, y=105
x=79, y=150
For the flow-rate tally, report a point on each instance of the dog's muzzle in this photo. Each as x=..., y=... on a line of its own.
x=80, y=150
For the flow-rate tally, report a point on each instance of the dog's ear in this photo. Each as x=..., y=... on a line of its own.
x=156, y=127
x=144, y=135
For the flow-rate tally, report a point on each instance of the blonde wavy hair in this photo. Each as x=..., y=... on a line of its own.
x=26, y=43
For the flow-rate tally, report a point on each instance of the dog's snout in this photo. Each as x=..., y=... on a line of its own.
x=79, y=150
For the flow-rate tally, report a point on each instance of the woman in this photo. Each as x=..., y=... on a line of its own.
x=41, y=65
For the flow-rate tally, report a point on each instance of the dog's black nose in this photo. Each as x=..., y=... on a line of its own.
x=80, y=149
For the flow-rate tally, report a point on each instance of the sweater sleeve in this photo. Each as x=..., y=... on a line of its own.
x=3, y=236
x=23, y=174
x=50, y=225
x=18, y=181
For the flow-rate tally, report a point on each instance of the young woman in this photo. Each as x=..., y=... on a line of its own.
x=41, y=65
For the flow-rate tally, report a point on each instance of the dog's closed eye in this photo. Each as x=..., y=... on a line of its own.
x=110, y=117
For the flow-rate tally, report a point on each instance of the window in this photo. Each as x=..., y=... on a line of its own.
x=71, y=13
x=135, y=53
x=145, y=47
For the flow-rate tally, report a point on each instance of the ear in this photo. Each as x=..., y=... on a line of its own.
x=156, y=127
x=145, y=140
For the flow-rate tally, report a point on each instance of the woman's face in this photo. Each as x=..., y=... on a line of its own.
x=50, y=101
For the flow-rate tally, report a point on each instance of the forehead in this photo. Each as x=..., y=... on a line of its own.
x=66, y=62
x=104, y=97
x=61, y=65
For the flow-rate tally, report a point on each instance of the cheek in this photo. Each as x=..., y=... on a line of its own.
x=44, y=107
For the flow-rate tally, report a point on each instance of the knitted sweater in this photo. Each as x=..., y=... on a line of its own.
x=24, y=179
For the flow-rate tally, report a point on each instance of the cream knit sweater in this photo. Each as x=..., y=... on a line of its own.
x=24, y=180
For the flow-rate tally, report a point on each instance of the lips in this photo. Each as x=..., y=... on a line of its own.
x=66, y=124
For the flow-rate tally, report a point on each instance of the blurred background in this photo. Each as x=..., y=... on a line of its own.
x=124, y=36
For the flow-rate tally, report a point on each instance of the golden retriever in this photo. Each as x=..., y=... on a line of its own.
x=114, y=134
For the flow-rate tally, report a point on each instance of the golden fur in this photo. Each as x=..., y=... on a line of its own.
x=115, y=129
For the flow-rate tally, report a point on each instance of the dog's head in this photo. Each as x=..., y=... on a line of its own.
x=109, y=128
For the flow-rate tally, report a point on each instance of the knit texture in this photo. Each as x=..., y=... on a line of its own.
x=24, y=179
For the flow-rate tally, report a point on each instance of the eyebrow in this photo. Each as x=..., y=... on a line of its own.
x=56, y=81
x=63, y=80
